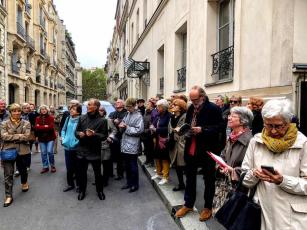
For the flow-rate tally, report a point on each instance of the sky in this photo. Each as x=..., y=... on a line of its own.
x=91, y=25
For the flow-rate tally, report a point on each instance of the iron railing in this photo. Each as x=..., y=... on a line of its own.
x=181, y=78
x=30, y=42
x=20, y=30
x=223, y=63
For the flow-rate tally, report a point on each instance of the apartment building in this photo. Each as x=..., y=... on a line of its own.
x=3, y=19
x=246, y=47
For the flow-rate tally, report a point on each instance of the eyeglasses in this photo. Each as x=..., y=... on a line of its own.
x=276, y=127
x=233, y=102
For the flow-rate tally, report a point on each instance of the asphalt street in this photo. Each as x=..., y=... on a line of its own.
x=46, y=207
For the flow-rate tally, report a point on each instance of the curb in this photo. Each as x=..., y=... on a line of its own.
x=173, y=201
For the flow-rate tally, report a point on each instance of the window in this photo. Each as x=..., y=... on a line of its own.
x=131, y=34
x=145, y=13
x=137, y=24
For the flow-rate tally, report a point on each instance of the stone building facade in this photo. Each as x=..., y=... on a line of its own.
x=246, y=47
x=36, y=60
x=3, y=22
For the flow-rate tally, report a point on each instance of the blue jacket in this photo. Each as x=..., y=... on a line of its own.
x=68, y=133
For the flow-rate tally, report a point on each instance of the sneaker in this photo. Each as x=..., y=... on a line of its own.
x=163, y=181
x=53, y=169
x=16, y=174
x=156, y=177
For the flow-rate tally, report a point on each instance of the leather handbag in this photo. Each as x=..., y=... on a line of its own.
x=9, y=154
x=239, y=212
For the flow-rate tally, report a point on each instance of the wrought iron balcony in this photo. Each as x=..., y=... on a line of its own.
x=223, y=63
x=38, y=79
x=15, y=68
x=161, y=84
x=20, y=30
x=30, y=42
x=181, y=78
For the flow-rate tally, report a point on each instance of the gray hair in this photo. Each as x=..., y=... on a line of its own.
x=245, y=114
x=163, y=103
x=25, y=105
x=74, y=101
x=43, y=107
x=276, y=107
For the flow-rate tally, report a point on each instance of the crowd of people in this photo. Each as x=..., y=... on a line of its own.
x=184, y=133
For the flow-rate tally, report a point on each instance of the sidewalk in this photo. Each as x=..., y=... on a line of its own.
x=174, y=200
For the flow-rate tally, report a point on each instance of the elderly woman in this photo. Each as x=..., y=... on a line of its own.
x=15, y=133
x=160, y=131
x=276, y=162
x=44, y=126
x=239, y=121
x=177, y=141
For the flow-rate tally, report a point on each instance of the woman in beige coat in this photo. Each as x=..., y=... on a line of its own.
x=282, y=191
x=15, y=133
x=177, y=142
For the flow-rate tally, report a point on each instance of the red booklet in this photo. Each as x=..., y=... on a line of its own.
x=217, y=159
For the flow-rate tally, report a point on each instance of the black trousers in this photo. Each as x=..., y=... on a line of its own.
x=132, y=170
x=118, y=158
x=107, y=170
x=208, y=165
x=81, y=172
x=70, y=162
x=149, y=149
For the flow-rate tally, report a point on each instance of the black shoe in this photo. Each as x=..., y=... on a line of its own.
x=179, y=188
x=133, y=189
x=8, y=204
x=77, y=189
x=68, y=188
x=118, y=178
x=101, y=196
x=125, y=187
x=81, y=195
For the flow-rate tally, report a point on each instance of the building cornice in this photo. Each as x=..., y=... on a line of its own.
x=149, y=26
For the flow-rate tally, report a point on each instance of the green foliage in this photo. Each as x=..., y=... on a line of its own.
x=94, y=84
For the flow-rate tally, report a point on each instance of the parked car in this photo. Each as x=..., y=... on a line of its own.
x=107, y=105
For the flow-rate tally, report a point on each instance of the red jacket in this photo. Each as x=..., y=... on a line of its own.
x=44, y=127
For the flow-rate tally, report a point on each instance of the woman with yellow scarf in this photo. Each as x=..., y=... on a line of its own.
x=276, y=161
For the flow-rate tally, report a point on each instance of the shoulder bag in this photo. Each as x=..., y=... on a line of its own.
x=240, y=212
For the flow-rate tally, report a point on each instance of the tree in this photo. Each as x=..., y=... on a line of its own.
x=94, y=84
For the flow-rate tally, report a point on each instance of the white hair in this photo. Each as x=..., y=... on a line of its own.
x=163, y=103
x=246, y=116
x=276, y=107
x=74, y=101
x=43, y=107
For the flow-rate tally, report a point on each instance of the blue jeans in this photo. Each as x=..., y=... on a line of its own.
x=47, y=153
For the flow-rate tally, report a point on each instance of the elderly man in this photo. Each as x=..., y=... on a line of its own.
x=205, y=119
x=116, y=117
x=4, y=115
x=91, y=131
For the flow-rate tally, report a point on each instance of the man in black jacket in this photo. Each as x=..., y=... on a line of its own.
x=116, y=117
x=206, y=121
x=91, y=131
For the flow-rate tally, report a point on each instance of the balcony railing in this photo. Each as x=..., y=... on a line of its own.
x=181, y=78
x=15, y=68
x=38, y=79
x=20, y=30
x=161, y=85
x=30, y=42
x=223, y=63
